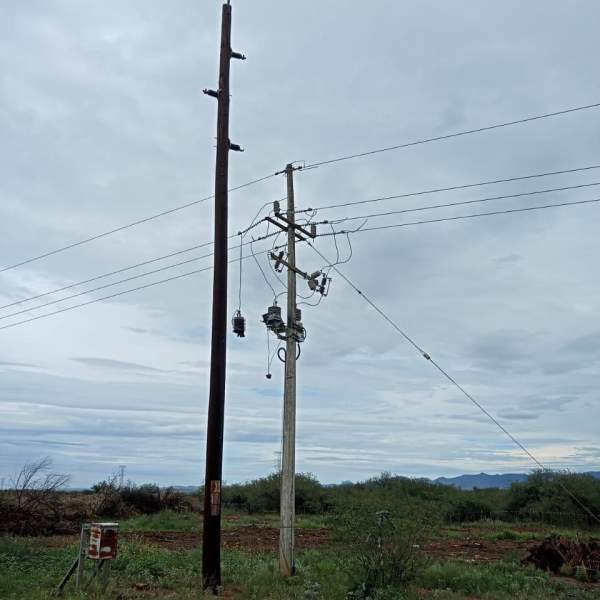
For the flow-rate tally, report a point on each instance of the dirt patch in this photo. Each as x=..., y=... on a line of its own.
x=473, y=549
x=250, y=538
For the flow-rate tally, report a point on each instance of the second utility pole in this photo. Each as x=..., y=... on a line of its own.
x=288, y=475
x=211, y=533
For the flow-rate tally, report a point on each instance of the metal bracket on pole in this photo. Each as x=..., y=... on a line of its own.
x=284, y=228
x=279, y=259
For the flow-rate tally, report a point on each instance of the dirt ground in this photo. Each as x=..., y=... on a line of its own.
x=253, y=538
x=258, y=538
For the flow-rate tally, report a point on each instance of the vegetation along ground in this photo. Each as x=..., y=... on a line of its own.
x=387, y=538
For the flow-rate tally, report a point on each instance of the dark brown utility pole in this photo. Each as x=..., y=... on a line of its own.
x=211, y=535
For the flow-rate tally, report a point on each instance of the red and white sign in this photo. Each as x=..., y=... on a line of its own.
x=103, y=541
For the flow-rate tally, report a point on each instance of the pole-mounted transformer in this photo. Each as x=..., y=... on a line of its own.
x=239, y=324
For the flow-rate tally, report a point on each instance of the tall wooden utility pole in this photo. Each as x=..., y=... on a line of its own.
x=211, y=535
x=294, y=333
x=288, y=469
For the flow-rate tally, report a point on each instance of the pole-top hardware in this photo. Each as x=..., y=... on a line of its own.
x=238, y=55
x=277, y=207
x=211, y=93
x=272, y=319
x=278, y=261
x=235, y=147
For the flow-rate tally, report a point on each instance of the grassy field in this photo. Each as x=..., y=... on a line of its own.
x=159, y=557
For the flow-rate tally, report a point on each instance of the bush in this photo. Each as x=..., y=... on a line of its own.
x=131, y=499
x=263, y=495
x=467, y=510
x=33, y=505
x=384, y=552
x=544, y=496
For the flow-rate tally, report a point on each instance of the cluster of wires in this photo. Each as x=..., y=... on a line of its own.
x=18, y=308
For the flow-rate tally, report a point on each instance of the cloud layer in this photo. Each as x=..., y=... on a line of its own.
x=103, y=122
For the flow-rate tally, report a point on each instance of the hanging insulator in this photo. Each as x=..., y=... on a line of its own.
x=277, y=207
x=239, y=324
x=298, y=315
x=313, y=230
x=211, y=93
x=278, y=264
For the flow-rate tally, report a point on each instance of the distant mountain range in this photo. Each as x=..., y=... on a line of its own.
x=463, y=482
x=484, y=481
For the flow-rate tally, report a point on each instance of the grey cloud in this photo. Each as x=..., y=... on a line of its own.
x=115, y=364
x=103, y=122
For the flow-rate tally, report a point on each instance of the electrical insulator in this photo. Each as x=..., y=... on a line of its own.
x=323, y=284
x=235, y=147
x=313, y=282
x=276, y=207
x=237, y=55
x=211, y=93
x=278, y=264
x=313, y=230
x=239, y=324
x=298, y=315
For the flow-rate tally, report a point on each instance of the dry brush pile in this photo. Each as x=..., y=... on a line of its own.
x=566, y=557
x=37, y=503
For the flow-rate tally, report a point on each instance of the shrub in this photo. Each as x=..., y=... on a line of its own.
x=544, y=496
x=263, y=495
x=384, y=552
x=467, y=510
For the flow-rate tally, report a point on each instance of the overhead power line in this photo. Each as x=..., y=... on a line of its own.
x=121, y=281
x=450, y=188
x=454, y=135
x=104, y=275
x=126, y=226
x=458, y=218
x=463, y=202
x=122, y=293
x=122, y=270
x=428, y=357
x=115, y=295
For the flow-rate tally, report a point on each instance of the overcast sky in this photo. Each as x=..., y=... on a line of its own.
x=103, y=121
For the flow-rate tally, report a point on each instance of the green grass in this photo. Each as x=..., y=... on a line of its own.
x=29, y=570
x=499, y=581
x=169, y=520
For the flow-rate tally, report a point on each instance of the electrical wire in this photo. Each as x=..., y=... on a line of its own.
x=115, y=295
x=465, y=202
x=126, y=226
x=428, y=357
x=454, y=135
x=116, y=272
x=127, y=279
x=261, y=270
x=450, y=188
x=459, y=217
